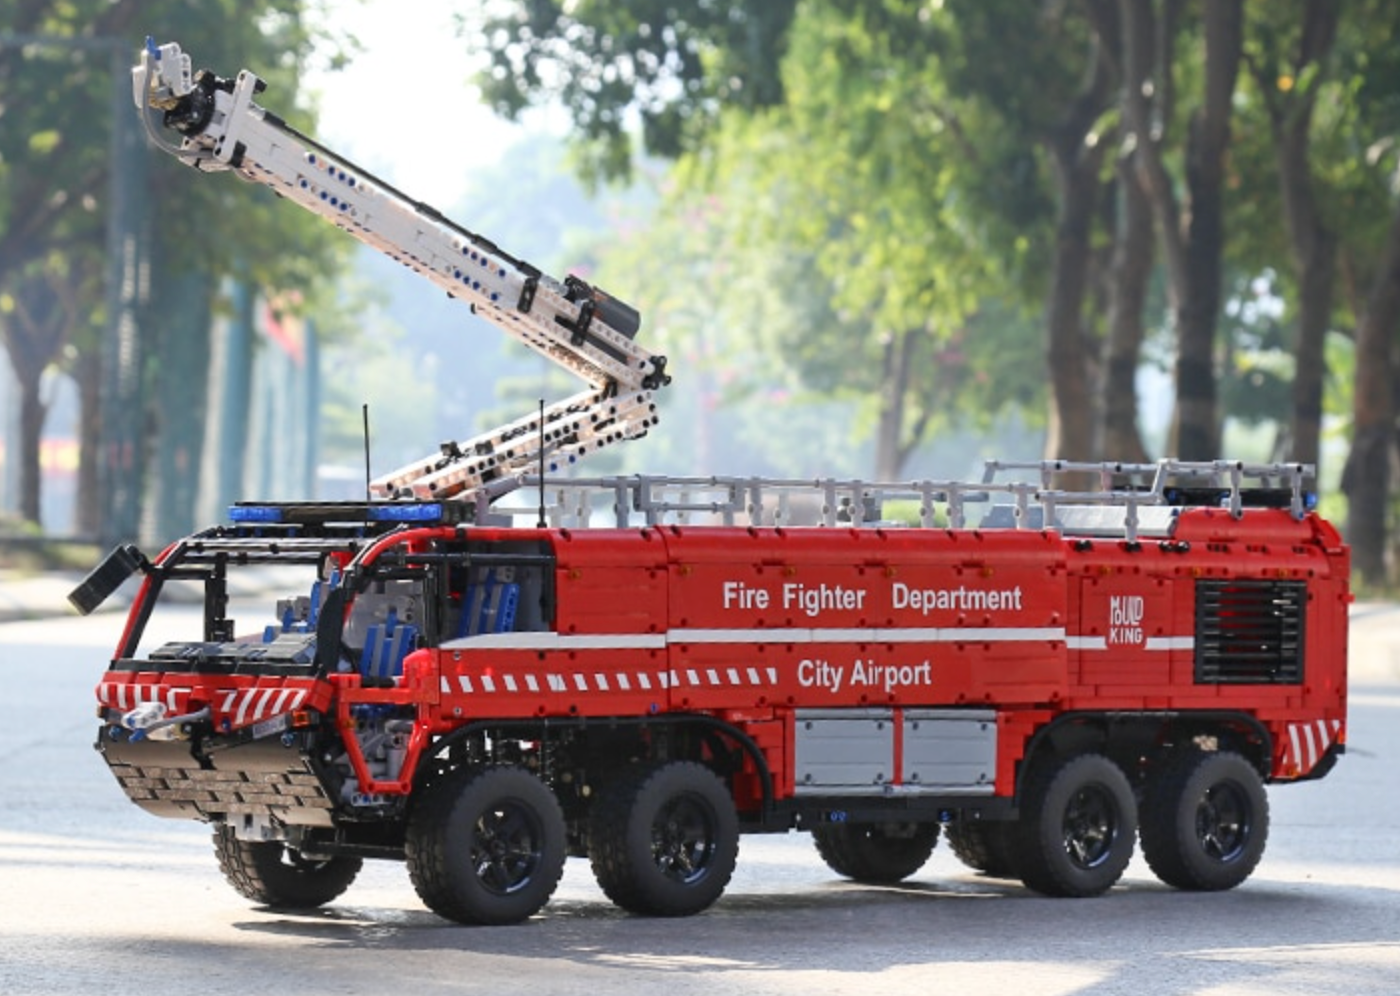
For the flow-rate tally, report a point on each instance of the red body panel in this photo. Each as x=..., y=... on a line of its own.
x=753, y=626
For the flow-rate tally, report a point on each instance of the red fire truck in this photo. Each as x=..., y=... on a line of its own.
x=1043, y=674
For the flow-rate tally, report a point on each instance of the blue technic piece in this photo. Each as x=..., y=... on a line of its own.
x=300, y=615
x=386, y=645
x=488, y=607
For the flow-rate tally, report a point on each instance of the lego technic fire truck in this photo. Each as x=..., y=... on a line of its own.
x=1044, y=676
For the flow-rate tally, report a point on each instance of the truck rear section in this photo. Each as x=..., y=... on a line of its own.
x=1044, y=688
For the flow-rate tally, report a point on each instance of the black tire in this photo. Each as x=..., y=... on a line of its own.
x=1205, y=820
x=663, y=839
x=875, y=853
x=486, y=846
x=271, y=873
x=989, y=848
x=1077, y=828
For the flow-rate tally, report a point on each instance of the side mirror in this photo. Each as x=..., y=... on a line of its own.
x=107, y=577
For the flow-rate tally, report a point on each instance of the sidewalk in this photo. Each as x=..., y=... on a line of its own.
x=44, y=595
x=1374, y=654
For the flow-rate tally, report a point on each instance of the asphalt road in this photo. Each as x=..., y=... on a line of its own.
x=98, y=897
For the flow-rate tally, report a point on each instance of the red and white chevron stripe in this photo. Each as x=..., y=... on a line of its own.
x=620, y=681
x=1306, y=743
x=124, y=695
x=241, y=706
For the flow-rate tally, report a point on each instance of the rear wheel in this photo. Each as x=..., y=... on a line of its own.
x=486, y=845
x=271, y=873
x=1205, y=821
x=989, y=848
x=1077, y=827
x=664, y=839
x=875, y=853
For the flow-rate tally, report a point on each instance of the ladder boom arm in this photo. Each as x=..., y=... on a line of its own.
x=577, y=326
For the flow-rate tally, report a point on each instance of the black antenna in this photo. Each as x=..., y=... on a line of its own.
x=365, y=411
x=542, y=522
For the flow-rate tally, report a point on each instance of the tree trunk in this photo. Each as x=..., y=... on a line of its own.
x=35, y=331
x=1132, y=271
x=1072, y=426
x=1077, y=161
x=1198, y=432
x=230, y=402
x=182, y=380
x=1313, y=243
x=32, y=412
x=1316, y=273
x=87, y=510
x=1366, y=478
x=897, y=353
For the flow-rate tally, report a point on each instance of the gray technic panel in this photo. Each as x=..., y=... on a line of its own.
x=844, y=750
x=950, y=750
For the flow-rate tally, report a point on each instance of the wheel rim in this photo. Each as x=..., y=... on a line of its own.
x=1223, y=822
x=1090, y=827
x=683, y=838
x=506, y=843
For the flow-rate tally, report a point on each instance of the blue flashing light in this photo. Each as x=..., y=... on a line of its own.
x=254, y=513
x=1310, y=500
x=425, y=512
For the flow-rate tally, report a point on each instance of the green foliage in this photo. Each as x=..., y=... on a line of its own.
x=607, y=60
x=56, y=104
x=1256, y=384
x=65, y=105
x=722, y=308
x=827, y=215
x=892, y=183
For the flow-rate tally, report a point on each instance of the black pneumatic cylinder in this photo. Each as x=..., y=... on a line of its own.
x=618, y=315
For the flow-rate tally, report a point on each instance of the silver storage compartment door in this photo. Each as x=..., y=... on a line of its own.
x=950, y=750
x=844, y=751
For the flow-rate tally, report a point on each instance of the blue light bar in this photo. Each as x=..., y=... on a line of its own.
x=344, y=513
x=254, y=513
x=417, y=512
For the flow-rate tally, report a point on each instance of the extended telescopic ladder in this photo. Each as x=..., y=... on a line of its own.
x=571, y=323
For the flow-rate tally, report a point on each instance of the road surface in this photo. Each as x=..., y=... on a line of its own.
x=97, y=897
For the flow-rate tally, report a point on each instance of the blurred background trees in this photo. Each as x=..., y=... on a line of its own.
x=877, y=238
x=1203, y=174
x=111, y=267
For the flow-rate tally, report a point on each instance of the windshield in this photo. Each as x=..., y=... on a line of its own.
x=312, y=605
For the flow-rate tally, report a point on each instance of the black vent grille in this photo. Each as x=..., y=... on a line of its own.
x=1250, y=631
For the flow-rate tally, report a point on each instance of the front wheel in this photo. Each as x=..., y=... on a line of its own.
x=875, y=853
x=271, y=873
x=1077, y=827
x=486, y=845
x=1205, y=821
x=664, y=839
